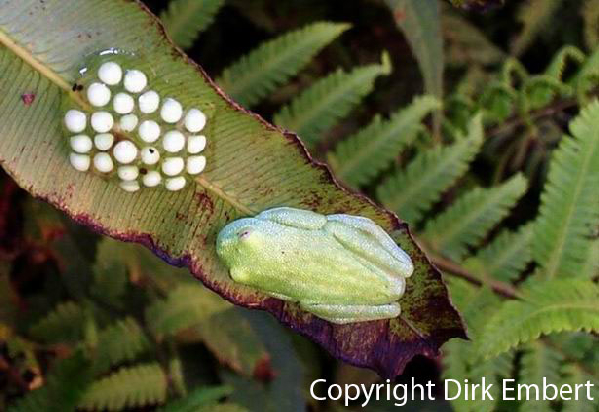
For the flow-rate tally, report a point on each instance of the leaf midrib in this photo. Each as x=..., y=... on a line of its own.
x=399, y=201
x=370, y=150
x=589, y=305
x=556, y=258
x=299, y=122
x=55, y=78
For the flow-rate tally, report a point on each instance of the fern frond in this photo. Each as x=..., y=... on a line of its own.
x=361, y=157
x=62, y=390
x=547, y=307
x=184, y=20
x=258, y=73
x=505, y=257
x=558, y=64
x=411, y=192
x=471, y=216
x=538, y=361
x=569, y=211
x=109, y=272
x=319, y=107
x=590, y=16
x=132, y=387
x=184, y=307
x=456, y=358
x=466, y=43
x=534, y=16
x=64, y=323
x=573, y=374
x=198, y=398
x=589, y=70
x=122, y=341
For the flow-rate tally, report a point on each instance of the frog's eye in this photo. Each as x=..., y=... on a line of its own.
x=244, y=234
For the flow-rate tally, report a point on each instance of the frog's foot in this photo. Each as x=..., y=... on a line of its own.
x=342, y=314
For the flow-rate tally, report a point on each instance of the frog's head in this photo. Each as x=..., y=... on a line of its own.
x=238, y=240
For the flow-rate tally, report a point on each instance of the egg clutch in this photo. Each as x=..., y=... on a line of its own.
x=134, y=134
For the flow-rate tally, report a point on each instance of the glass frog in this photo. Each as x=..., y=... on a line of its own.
x=339, y=267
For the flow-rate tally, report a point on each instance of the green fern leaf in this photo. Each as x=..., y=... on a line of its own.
x=132, y=387
x=184, y=20
x=558, y=64
x=505, y=257
x=573, y=374
x=318, y=108
x=109, y=272
x=471, y=216
x=534, y=16
x=462, y=361
x=589, y=70
x=467, y=45
x=258, y=73
x=361, y=157
x=411, y=192
x=547, y=307
x=538, y=361
x=122, y=341
x=64, y=323
x=198, y=398
x=569, y=211
x=183, y=308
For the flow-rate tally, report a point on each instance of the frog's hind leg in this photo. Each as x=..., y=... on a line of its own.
x=368, y=226
x=342, y=314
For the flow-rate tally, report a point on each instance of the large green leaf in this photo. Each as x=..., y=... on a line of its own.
x=252, y=166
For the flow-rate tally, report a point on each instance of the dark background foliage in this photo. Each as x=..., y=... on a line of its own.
x=62, y=287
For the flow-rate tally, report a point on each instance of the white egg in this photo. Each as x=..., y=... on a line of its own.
x=75, y=121
x=171, y=111
x=98, y=94
x=129, y=186
x=128, y=122
x=149, y=131
x=173, y=141
x=150, y=155
x=175, y=184
x=195, y=164
x=110, y=73
x=196, y=143
x=79, y=161
x=195, y=120
x=152, y=179
x=123, y=103
x=149, y=102
x=124, y=152
x=128, y=172
x=102, y=122
x=81, y=143
x=103, y=141
x=103, y=162
x=135, y=81
x=172, y=166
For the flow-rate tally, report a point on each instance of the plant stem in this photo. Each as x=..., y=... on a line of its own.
x=501, y=288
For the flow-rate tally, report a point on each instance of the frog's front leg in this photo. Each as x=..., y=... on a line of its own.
x=344, y=313
x=302, y=219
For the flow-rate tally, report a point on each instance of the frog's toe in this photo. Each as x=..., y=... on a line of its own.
x=342, y=314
